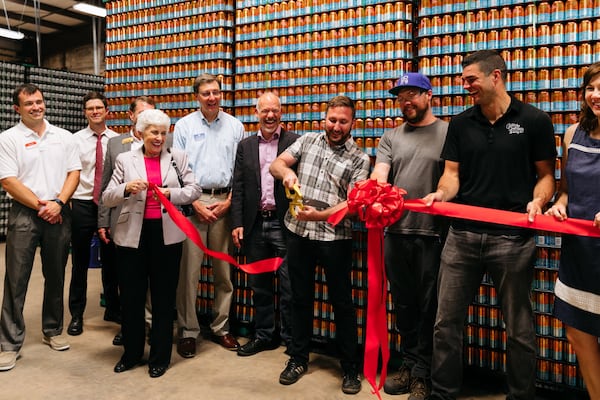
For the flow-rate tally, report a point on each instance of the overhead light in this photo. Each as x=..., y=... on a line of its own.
x=90, y=9
x=7, y=33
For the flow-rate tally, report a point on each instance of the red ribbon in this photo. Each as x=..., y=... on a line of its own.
x=570, y=226
x=258, y=267
x=380, y=205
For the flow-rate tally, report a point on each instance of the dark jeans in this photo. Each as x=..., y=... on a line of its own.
x=465, y=259
x=25, y=232
x=266, y=240
x=412, y=263
x=336, y=259
x=156, y=264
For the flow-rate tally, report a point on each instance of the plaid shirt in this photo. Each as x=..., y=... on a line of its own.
x=326, y=174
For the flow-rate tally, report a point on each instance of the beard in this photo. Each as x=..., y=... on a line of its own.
x=337, y=138
x=418, y=116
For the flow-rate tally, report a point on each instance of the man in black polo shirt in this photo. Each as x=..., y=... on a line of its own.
x=498, y=154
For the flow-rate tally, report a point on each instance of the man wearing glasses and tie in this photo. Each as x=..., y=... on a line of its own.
x=91, y=143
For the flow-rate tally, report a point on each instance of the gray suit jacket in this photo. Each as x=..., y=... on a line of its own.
x=131, y=166
x=107, y=217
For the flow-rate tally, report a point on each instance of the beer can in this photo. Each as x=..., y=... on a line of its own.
x=494, y=338
x=557, y=349
x=558, y=329
x=542, y=324
x=482, y=336
x=543, y=370
x=482, y=294
x=482, y=318
x=543, y=347
x=569, y=353
x=470, y=333
x=556, y=374
x=493, y=317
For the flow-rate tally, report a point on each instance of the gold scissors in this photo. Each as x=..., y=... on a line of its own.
x=297, y=201
x=295, y=196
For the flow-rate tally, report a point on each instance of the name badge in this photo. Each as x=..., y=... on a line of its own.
x=199, y=136
x=30, y=144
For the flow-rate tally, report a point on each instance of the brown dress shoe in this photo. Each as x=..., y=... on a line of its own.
x=186, y=347
x=227, y=341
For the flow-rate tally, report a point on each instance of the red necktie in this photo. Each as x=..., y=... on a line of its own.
x=98, y=170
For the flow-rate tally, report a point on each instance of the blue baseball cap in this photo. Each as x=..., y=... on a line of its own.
x=411, y=79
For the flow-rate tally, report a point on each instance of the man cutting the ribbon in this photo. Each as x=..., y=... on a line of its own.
x=327, y=164
x=498, y=154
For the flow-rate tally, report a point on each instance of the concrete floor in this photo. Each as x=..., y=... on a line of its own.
x=85, y=371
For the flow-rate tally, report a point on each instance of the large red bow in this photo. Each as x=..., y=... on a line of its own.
x=378, y=204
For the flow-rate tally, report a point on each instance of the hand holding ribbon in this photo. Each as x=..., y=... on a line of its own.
x=267, y=265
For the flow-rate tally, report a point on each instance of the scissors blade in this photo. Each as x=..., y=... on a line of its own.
x=315, y=203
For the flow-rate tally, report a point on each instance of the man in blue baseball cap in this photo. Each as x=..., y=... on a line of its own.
x=411, y=80
x=410, y=156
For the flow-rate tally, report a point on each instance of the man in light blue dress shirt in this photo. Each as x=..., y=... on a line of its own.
x=210, y=137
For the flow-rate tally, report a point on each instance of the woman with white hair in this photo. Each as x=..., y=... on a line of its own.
x=148, y=243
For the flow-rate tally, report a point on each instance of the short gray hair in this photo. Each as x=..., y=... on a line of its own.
x=152, y=117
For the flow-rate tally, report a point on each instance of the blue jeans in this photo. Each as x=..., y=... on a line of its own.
x=266, y=240
x=336, y=259
x=509, y=261
x=412, y=263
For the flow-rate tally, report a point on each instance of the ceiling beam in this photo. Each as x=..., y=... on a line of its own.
x=55, y=10
x=31, y=20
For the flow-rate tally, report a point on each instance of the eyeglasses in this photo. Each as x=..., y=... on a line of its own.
x=215, y=93
x=409, y=95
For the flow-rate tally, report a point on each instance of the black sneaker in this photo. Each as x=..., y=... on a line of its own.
x=398, y=383
x=292, y=372
x=419, y=390
x=351, y=384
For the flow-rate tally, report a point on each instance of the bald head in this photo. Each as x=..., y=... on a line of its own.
x=268, y=112
x=267, y=97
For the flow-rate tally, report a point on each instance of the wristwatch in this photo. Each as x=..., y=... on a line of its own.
x=59, y=202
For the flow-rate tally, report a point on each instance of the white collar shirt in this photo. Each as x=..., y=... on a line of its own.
x=137, y=143
x=41, y=163
x=86, y=142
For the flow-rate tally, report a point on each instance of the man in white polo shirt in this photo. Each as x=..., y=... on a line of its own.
x=40, y=167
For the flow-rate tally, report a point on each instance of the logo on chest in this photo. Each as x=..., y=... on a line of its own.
x=514, y=128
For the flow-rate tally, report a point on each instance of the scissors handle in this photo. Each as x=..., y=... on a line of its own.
x=295, y=197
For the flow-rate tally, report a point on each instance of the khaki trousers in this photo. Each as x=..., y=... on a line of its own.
x=217, y=237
